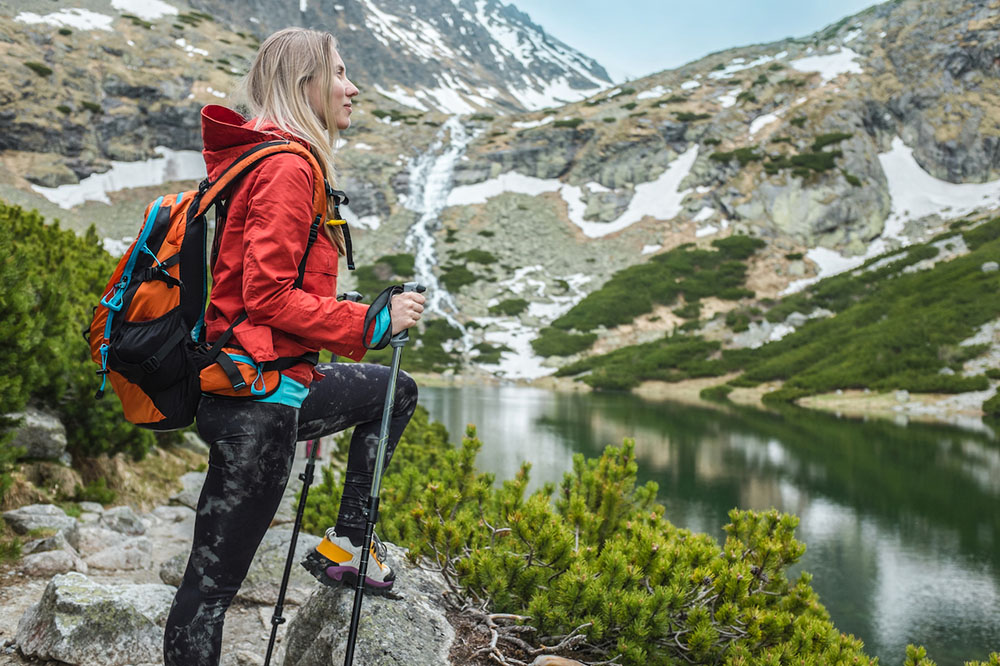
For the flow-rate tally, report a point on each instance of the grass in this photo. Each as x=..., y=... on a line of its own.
x=38, y=68
x=510, y=307
x=891, y=330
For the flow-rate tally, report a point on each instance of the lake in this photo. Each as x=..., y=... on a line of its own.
x=901, y=522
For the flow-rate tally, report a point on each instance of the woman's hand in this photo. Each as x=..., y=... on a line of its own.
x=405, y=309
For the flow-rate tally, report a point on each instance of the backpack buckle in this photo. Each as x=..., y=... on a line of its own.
x=150, y=365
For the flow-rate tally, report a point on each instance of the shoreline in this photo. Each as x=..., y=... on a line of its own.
x=960, y=409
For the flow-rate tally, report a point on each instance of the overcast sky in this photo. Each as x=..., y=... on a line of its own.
x=632, y=38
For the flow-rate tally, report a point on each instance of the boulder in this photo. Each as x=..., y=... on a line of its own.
x=172, y=571
x=124, y=520
x=41, y=435
x=38, y=516
x=88, y=538
x=264, y=577
x=192, y=482
x=51, y=562
x=131, y=554
x=411, y=629
x=79, y=621
x=990, y=267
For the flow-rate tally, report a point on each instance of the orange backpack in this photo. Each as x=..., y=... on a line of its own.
x=148, y=333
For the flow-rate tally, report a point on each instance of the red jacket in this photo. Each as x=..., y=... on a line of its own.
x=265, y=236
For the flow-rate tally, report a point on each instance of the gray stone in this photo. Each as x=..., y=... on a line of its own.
x=42, y=435
x=88, y=539
x=124, y=520
x=38, y=516
x=902, y=396
x=192, y=482
x=192, y=442
x=264, y=577
x=796, y=319
x=411, y=629
x=50, y=563
x=172, y=571
x=132, y=554
x=56, y=542
x=92, y=507
x=173, y=514
x=79, y=621
x=990, y=267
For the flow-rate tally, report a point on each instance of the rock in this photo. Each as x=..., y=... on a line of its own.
x=172, y=514
x=192, y=482
x=410, y=631
x=56, y=542
x=91, y=507
x=79, y=621
x=88, y=539
x=124, y=520
x=42, y=435
x=264, y=577
x=50, y=563
x=133, y=553
x=902, y=396
x=172, y=571
x=946, y=371
x=192, y=442
x=990, y=267
x=38, y=516
x=550, y=660
x=796, y=319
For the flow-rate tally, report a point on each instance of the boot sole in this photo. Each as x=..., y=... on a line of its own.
x=332, y=574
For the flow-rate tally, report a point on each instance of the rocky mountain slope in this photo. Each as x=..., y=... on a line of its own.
x=866, y=136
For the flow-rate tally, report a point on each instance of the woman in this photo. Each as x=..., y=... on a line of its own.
x=297, y=89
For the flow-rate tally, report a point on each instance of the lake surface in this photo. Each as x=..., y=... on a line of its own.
x=901, y=522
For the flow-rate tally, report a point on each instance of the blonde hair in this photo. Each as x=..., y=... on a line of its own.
x=276, y=90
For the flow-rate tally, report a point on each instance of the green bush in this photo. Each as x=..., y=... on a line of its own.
x=743, y=155
x=454, y=277
x=628, y=106
x=746, y=96
x=555, y=342
x=712, y=142
x=63, y=109
x=386, y=271
x=482, y=117
x=91, y=106
x=718, y=393
x=798, y=122
x=511, y=307
x=571, y=123
x=824, y=140
x=623, y=92
x=477, y=256
x=65, y=31
x=49, y=283
x=490, y=354
x=95, y=491
x=686, y=117
x=690, y=310
x=39, y=68
x=760, y=80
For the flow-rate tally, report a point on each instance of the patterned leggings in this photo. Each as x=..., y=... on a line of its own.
x=252, y=447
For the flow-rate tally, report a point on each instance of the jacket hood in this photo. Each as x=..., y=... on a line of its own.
x=226, y=135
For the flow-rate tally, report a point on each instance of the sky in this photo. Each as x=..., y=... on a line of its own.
x=633, y=38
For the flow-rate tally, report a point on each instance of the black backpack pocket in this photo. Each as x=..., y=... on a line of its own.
x=152, y=354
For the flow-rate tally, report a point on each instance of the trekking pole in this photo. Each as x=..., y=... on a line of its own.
x=371, y=511
x=277, y=619
x=307, y=478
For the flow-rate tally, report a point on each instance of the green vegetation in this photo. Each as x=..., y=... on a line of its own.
x=891, y=330
x=623, y=92
x=490, y=354
x=52, y=271
x=393, y=115
x=456, y=276
x=571, y=123
x=95, y=491
x=482, y=117
x=743, y=155
x=555, y=342
x=690, y=310
x=91, y=106
x=628, y=106
x=476, y=256
x=798, y=122
x=510, y=307
x=486, y=233
x=65, y=31
x=136, y=21
x=776, y=67
x=712, y=142
x=39, y=68
x=386, y=271
x=746, y=96
x=684, y=271
x=718, y=393
x=609, y=119
x=760, y=80
x=597, y=555
x=63, y=109
x=851, y=178
x=824, y=140
x=794, y=256
x=687, y=117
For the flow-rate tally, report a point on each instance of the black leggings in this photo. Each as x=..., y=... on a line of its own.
x=252, y=447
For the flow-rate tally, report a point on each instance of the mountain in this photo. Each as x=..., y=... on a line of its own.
x=869, y=136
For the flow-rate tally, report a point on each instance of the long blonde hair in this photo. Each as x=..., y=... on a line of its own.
x=276, y=90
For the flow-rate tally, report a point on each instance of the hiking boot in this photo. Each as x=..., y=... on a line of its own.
x=335, y=561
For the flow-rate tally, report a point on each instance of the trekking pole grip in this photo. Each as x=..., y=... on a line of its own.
x=403, y=336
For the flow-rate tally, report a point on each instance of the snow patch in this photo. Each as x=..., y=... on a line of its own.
x=760, y=122
x=147, y=10
x=690, y=85
x=650, y=249
x=529, y=124
x=171, y=165
x=729, y=99
x=652, y=93
x=81, y=19
x=401, y=96
x=703, y=214
x=189, y=49
x=830, y=66
x=660, y=199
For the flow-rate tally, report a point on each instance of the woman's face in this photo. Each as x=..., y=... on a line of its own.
x=341, y=92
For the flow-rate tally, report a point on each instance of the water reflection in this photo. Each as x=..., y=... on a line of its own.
x=901, y=523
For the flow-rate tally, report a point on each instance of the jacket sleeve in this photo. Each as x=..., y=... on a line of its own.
x=279, y=214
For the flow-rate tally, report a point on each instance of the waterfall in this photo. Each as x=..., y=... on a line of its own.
x=430, y=183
